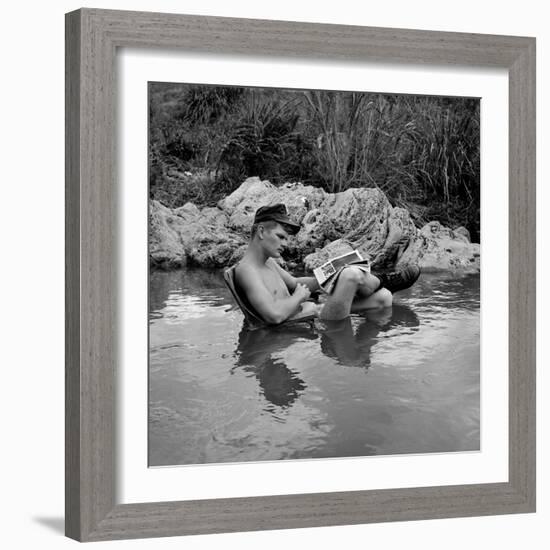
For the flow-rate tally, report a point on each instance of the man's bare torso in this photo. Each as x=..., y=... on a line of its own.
x=269, y=276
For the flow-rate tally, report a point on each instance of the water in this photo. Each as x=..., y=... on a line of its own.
x=401, y=380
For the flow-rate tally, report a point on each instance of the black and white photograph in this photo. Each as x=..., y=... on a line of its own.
x=282, y=280
x=314, y=274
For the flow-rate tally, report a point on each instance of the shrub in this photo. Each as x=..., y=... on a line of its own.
x=422, y=151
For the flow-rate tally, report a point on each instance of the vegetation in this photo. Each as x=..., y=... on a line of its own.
x=422, y=151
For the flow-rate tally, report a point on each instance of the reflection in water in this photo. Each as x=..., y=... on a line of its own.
x=257, y=350
x=351, y=346
x=163, y=284
x=257, y=353
x=221, y=393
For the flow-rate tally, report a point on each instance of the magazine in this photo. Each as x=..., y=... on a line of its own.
x=327, y=274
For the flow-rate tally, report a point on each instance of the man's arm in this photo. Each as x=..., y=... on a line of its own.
x=271, y=310
x=291, y=281
x=310, y=282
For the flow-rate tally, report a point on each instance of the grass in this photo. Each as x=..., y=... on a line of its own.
x=422, y=151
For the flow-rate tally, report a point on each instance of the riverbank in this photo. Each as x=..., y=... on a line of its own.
x=332, y=223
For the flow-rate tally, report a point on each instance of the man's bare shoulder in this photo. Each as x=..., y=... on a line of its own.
x=287, y=277
x=246, y=271
x=274, y=265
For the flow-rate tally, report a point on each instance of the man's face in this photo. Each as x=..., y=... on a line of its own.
x=274, y=240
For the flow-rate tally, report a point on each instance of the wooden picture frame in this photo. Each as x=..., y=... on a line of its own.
x=92, y=39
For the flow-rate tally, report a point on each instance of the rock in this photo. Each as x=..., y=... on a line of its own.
x=437, y=248
x=189, y=236
x=209, y=242
x=251, y=188
x=401, y=230
x=358, y=215
x=213, y=217
x=365, y=220
x=462, y=233
x=242, y=204
x=165, y=246
x=207, y=251
x=188, y=210
x=332, y=224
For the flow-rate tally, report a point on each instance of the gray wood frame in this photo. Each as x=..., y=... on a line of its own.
x=92, y=38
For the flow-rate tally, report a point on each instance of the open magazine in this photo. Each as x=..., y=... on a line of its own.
x=327, y=274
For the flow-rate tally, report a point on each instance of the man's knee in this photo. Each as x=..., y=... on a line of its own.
x=365, y=283
x=353, y=275
x=384, y=297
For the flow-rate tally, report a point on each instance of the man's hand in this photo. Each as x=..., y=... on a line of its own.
x=301, y=292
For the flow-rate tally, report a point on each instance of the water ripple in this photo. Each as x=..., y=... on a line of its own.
x=401, y=380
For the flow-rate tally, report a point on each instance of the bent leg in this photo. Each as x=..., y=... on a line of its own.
x=368, y=285
x=380, y=299
x=352, y=283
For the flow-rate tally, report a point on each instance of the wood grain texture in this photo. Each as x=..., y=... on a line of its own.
x=72, y=276
x=293, y=39
x=522, y=274
x=92, y=37
x=91, y=218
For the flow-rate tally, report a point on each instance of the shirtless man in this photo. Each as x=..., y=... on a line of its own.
x=277, y=296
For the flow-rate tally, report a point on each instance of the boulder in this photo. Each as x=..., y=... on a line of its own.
x=165, y=245
x=253, y=193
x=360, y=216
x=211, y=252
x=187, y=211
x=190, y=236
x=355, y=213
x=331, y=224
x=438, y=248
x=363, y=219
x=401, y=230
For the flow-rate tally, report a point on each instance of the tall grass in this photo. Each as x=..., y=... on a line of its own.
x=423, y=152
x=264, y=142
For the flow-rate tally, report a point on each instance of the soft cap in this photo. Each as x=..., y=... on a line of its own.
x=276, y=213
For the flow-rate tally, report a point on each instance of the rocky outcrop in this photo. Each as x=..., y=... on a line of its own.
x=189, y=236
x=241, y=205
x=438, y=248
x=331, y=225
x=166, y=247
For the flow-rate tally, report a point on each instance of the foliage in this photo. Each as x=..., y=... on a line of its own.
x=422, y=151
x=264, y=143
